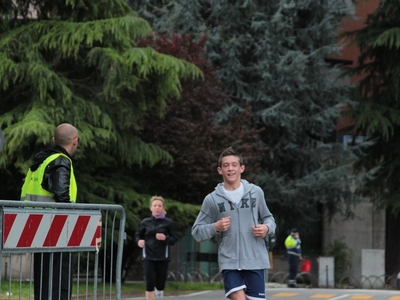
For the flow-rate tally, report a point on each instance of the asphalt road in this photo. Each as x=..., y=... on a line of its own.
x=297, y=294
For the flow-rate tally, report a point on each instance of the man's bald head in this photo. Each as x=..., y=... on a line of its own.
x=66, y=136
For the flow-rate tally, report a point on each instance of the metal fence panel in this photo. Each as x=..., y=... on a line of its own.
x=53, y=234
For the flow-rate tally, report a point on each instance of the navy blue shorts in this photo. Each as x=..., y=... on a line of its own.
x=251, y=281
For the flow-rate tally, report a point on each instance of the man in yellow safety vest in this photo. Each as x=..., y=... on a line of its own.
x=51, y=178
x=293, y=251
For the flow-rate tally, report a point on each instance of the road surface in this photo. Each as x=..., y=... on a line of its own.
x=297, y=294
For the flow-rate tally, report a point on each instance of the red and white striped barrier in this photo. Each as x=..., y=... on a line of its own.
x=33, y=228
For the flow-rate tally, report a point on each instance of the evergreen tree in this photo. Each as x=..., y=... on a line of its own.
x=188, y=130
x=377, y=116
x=99, y=71
x=79, y=62
x=272, y=54
x=377, y=111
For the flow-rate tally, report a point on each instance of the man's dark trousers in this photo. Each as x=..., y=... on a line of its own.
x=62, y=265
x=294, y=261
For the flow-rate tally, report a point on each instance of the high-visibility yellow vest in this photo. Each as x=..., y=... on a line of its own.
x=32, y=188
x=290, y=242
x=293, y=246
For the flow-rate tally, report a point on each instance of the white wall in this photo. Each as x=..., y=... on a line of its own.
x=365, y=231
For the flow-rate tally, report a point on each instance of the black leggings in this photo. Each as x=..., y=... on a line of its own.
x=155, y=273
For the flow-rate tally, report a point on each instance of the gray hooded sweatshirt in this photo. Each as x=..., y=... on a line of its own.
x=238, y=248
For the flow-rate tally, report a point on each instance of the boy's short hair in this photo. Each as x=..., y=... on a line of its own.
x=227, y=152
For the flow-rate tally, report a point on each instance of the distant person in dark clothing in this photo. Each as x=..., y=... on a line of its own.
x=293, y=250
x=155, y=234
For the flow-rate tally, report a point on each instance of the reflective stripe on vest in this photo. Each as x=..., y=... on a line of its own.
x=32, y=188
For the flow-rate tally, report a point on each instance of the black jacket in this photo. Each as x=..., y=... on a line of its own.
x=57, y=175
x=155, y=249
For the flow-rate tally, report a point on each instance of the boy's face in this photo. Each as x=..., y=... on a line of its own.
x=230, y=169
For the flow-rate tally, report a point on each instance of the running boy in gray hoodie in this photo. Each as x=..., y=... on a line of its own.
x=236, y=214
